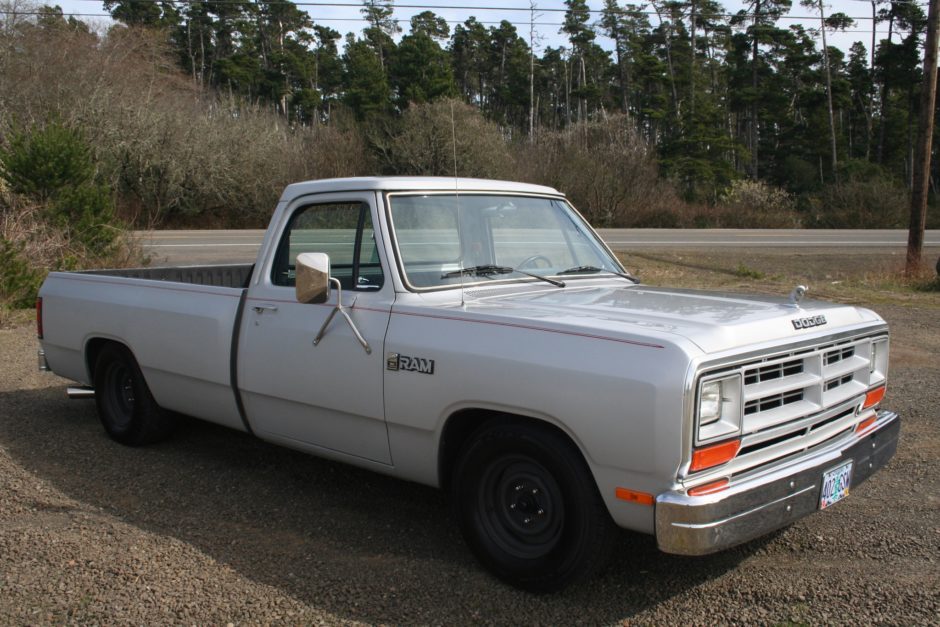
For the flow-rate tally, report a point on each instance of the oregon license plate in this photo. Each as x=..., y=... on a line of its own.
x=835, y=485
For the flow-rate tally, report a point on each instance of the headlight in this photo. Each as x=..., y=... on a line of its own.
x=719, y=408
x=709, y=406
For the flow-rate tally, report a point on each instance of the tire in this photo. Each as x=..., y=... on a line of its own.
x=126, y=407
x=529, y=508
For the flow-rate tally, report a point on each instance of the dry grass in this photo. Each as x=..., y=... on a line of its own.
x=170, y=150
x=864, y=277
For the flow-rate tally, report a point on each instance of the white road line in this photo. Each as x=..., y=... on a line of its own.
x=767, y=242
x=255, y=245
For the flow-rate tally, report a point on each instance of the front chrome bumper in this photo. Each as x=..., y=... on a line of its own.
x=698, y=525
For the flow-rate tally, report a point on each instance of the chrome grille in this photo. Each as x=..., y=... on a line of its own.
x=802, y=400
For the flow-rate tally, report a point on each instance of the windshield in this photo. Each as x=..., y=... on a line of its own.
x=541, y=236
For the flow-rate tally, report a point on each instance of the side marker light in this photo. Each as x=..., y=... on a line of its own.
x=634, y=496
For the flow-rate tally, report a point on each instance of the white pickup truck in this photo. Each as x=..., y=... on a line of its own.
x=479, y=336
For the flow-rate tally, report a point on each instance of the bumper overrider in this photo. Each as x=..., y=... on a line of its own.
x=698, y=525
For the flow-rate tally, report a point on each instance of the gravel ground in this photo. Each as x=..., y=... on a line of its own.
x=214, y=527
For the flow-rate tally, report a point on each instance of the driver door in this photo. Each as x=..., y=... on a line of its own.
x=327, y=397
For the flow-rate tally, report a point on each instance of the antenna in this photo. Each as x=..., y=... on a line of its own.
x=453, y=134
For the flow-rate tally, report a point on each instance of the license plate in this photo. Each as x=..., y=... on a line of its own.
x=835, y=485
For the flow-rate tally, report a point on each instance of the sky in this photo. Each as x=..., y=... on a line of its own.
x=549, y=15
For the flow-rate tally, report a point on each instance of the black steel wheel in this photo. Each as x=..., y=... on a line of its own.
x=126, y=407
x=529, y=508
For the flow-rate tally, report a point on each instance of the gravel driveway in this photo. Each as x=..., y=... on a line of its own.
x=214, y=527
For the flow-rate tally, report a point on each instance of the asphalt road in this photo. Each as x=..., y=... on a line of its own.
x=198, y=247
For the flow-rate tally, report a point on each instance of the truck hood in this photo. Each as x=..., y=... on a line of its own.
x=714, y=321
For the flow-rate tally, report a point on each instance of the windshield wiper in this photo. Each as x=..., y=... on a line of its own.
x=595, y=269
x=485, y=270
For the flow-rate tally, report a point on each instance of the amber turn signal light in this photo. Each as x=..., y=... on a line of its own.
x=709, y=488
x=714, y=455
x=865, y=424
x=874, y=397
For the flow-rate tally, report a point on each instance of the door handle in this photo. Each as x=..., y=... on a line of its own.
x=265, y=307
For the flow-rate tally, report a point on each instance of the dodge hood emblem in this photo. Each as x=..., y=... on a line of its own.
x=808, y=323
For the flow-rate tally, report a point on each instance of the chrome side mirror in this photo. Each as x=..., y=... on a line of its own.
x=312, y=286
x=312, y=283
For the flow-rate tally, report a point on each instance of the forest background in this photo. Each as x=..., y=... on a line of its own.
x=198, y=113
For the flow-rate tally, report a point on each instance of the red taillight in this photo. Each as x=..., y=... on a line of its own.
x=39, y=317
x=874, y=397
x=714, y=455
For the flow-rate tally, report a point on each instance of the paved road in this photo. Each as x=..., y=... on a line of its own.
x=194, y=247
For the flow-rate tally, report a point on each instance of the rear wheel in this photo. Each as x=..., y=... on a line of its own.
x=529, y=508
x=126, y=407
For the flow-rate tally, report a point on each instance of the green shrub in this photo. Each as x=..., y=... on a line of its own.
x=43, y=161
x=19, y=280
x=87, y=214
x=52, y=165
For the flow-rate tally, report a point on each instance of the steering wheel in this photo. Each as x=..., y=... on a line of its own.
x=533, y=259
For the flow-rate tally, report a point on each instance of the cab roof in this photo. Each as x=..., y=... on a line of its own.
x=412, y=183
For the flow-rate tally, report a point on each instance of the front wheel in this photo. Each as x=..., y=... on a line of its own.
x=529, y=508
x=126, y=407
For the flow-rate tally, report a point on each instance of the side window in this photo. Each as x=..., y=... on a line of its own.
x=341, y=230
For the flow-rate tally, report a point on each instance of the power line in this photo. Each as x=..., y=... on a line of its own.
x=346, y=19
x=314, y=3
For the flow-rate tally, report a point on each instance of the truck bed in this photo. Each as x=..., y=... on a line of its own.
x=229, y=275
x=178, y=322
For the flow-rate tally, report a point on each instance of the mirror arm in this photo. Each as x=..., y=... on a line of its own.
x=342, y=310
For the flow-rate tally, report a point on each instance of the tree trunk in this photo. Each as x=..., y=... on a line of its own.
x=884, y=100
x=753, y=134
x=692, y=61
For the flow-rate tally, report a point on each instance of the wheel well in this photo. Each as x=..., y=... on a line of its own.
x=92, y=350
x=462, y=425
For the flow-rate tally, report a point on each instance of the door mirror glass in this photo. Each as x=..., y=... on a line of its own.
x=313, y=278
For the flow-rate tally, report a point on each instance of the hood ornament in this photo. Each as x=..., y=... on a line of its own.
x=796, y=296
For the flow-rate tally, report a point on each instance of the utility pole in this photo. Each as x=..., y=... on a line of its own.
x=832, y=124
x=915, y=237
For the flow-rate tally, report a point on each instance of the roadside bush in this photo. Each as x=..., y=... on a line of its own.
x=755, y=204
x=607, y=170
x=45, y=160
x=19, y=280
x=52, y=165
x=863, y=203
x=53, y=213
x=86, y=215
x=422, y=143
